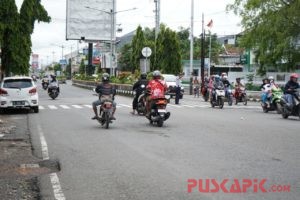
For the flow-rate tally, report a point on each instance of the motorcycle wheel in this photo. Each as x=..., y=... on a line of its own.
x=212, y=104
x=206, y=96
x=284, y=113
x=160, y=122
x=244, y=99
x=53, y=96
x=230, y=100
x=278, y=108
x=107, y=120
x=221, y=103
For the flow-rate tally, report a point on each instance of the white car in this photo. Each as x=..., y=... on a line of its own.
x=18, y=92
x=170, y=80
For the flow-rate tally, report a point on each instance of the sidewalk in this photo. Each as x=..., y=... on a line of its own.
x=19, y=169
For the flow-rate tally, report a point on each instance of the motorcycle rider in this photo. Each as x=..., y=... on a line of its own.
x=156, y=89
x=138, y=90
x=226, y=84
x=289, y=89
x=217, y=84
x=53, y=82
x=104, y=88
x=265, y=88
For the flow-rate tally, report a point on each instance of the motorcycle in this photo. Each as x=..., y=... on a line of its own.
x=295, y=110
x=274, y=102
x=106, y=111
x=141, y=107
x=240, y=96
x=45, y=85
x=205, y=93
x=229, y=95
x=158, y=113
x=53, y=90
x=218, y=98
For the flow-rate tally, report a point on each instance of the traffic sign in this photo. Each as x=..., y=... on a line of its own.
x=146, y=51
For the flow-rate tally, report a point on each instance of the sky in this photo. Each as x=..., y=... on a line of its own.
x=47, y=38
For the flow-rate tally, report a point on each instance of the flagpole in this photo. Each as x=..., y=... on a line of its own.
x=209, y=64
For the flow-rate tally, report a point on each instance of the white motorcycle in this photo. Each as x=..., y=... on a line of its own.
x=218, y=97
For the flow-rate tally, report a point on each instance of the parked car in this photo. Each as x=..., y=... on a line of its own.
x=18, y=92
x=170, y=80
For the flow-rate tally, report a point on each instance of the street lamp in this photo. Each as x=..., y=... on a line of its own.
x=112, y=27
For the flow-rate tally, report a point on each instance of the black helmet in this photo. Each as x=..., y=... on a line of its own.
x=105, y=77
x=143, y=76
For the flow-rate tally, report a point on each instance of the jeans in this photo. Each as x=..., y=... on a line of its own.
x=264, y=97
x=177, y=97
x=290, y=99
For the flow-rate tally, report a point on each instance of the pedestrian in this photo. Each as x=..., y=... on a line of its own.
x=178, y=87
x=196, y=85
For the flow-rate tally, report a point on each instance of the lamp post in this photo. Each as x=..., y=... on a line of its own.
x=112, y=27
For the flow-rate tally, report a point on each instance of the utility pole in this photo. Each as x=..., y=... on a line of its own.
x=202, y=51
x=191, y=46
x=157, y=23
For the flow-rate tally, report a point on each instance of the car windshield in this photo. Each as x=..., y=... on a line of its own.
x=17, y=83
x=170, y=78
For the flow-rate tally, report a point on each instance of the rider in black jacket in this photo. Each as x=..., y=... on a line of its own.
x=289, y=89
x=137, y=87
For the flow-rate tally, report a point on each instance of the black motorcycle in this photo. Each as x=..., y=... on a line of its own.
x=158, y=112
x=53, y=90
x=141, y=107
x=295, y=109
x=106, y=111
x=45, y=85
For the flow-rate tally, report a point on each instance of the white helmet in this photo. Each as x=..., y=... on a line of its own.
x=225, y=77
x=271, y=78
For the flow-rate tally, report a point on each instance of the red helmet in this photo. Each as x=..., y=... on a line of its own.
x=294, y=75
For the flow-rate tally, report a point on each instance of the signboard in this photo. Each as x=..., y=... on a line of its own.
x=63, y=62
x=35, y=61
x=90, y=24
x=146, y=51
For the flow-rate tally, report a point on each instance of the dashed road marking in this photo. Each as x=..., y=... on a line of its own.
x=52, y=107
x=65, y=107
x=77, y=106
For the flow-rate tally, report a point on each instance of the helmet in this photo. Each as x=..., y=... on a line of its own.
x=223, y=74
x=225, y=77
x=143, y=76
x=156, y=74
x=217, y=77
x=294, y=75
x=271, y=78
x=105, y=77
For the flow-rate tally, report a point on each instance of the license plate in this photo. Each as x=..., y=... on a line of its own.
x=18, y=103
x=161, y=111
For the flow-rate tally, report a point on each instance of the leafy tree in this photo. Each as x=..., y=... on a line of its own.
x=57, y=67
x=125, y=58
x=69, y=68
x=15, y=33
x=9, y=36
x=137, y=44
x=82, y=67
x=170, y=57
x=272, y=29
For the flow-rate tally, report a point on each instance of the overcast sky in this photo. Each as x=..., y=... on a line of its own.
x=174, y=13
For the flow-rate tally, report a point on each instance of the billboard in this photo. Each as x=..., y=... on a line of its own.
x=90, y=24
x=35, y=61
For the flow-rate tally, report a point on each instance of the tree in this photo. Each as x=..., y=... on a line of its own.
x=137, y=44
x=169, y=52
x=69, y=69
x=15, y=33
x=9, y=36
x=30, y=12
x=272, y=29
x=82, y=67
x=125, y=58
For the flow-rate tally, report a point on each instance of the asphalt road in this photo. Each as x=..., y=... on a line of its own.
x=136, y=161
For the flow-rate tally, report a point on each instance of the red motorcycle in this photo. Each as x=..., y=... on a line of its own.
x=205, y=93
x=240, y=95
x=158, y=112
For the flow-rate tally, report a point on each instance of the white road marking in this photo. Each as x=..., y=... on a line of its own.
x=176, y=106
x=52, y=107
x=65, y=107
x=88, y=106
x=188, y=106
x=77, y=106
x=58, y=193
x=41, y=107
x=123, y=105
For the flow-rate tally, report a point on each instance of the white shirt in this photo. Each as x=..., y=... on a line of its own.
x=178, y=81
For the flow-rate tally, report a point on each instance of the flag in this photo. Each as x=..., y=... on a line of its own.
x=210, y=23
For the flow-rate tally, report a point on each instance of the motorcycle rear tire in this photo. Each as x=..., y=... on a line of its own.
x=160, y=122
x=284, y=113
x=244, y=99
x=206, y=97
x=107, y=121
